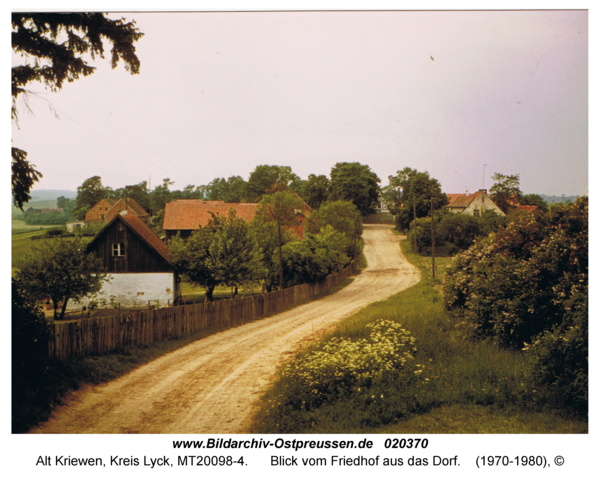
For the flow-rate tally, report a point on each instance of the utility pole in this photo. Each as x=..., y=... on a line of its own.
x=432, y=243
x=483, y=183
x=414, y=224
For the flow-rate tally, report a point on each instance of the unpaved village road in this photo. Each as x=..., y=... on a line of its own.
x=213, y=385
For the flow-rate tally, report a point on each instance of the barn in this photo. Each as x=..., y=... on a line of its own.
x=137, y=262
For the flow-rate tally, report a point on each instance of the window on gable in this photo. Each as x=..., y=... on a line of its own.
x=118, y=249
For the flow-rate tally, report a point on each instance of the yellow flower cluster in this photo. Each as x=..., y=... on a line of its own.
x=343, y=363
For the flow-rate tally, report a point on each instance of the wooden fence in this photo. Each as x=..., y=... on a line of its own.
x=95, y=336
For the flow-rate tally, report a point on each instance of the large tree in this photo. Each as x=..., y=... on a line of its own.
x=221, y=253
x=342, y=216
x=280, y=208
x=266, y=179
x=315, y=190
x=357, y=183
x=416, y=191
x=54, y=49
x=60, y=270
x=89, y=194
x=506, y=192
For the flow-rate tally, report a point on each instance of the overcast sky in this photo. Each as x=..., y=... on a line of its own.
x=452, y=93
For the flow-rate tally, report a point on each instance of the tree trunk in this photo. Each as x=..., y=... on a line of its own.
x=64, y=308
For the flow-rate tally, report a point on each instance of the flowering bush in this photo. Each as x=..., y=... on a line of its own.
x=344, y=366
x=514, y=284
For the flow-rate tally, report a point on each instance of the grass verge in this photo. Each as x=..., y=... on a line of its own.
x=489, y=388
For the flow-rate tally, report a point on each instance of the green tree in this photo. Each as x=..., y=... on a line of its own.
x=267, y=179
x=534, y=200
x=506, y=192
x=281, y=208
x=315, y=191
x=55, y=47
x=418, y=190
x=357, y=183
x=313, y=258
x=61, y=270
x=65, y=203
x=89, y=194
x=344, y=217
x=221, y=253
x=161, y=196
x=138, y=192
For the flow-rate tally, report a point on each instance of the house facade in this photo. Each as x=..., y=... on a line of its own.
x=472, y=204
x=137, y=263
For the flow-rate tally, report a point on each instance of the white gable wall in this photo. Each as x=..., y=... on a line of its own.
x=135, y=290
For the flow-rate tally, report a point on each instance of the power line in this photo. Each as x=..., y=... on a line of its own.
x=126, y=135
x=116, y=144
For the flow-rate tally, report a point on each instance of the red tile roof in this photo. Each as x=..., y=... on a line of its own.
x=190, y=214
x=461, y=200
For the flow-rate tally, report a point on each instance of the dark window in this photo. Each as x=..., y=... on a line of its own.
x=119, y=249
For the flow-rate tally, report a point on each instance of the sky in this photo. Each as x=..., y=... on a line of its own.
x=459, y=94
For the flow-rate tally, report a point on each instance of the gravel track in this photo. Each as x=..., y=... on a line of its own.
x=213, y=385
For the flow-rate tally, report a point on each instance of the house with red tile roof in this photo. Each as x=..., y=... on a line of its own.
x=519, y=209
x=472, y=204
x=187, y=215
x=130, y=205
x=137, y=263
x=99, y=211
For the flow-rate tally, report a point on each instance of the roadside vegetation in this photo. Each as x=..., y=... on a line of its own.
x=345, y=384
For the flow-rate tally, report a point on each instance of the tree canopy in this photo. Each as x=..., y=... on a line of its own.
x=280, y=208
x=357, y=183
x=416, y=191
x=221, y=253
x=266, y=179
x=60, y=270
x=54, y=48
x=506, y=192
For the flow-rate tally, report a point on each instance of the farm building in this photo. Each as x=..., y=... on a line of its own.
x=107, y=209
x=186, y=215
x=99, y=211
x=130, y=205
x=137, y=262
x=473, y=204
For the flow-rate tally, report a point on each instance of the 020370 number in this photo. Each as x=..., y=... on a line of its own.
x=406, y=443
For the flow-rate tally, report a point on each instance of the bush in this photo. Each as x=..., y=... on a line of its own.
x=30, y=335
x=560, y=358
x=513, y=285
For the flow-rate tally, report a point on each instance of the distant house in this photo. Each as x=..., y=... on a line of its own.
x=137, y=262
x=99, y=211
x=49, y=210
x=130, y=205
x=473, y=204
x=519, y=209
x=187, y=215
x=74, y=226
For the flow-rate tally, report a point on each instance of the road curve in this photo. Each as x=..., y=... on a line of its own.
x=214, y=385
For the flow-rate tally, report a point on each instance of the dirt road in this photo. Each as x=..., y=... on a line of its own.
x=213, y=385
